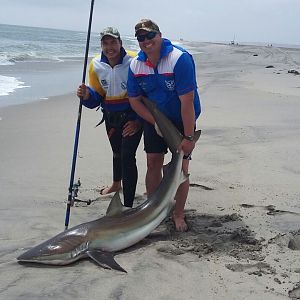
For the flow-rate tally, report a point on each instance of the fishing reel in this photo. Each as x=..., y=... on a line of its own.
x=75, y=190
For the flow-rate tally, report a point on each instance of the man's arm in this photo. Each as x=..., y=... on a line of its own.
x=140, y=109
x=93, y=94
x=188, y=113
x=188, y=120
x=135, y=97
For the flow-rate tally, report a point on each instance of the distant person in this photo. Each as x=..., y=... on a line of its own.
x=108, y=88
x=164, y=73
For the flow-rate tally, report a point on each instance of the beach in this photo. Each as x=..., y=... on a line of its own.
x=243, y=208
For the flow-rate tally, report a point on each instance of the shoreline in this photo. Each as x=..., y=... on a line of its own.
x=41, y=80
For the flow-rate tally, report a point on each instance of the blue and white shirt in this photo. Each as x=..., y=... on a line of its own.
x=107, y=85
x=174, y=76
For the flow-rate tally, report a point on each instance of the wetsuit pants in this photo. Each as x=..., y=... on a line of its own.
x=124, y=160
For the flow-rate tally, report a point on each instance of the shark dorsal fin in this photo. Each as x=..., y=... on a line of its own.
x=115, y=207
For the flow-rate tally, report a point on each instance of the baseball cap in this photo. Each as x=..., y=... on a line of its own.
x=111, y=31
x=147, y=25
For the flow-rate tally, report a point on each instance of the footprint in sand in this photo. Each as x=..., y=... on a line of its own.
x=204, y=187
x=252, y=269
x=271, y=209
x=295, y=293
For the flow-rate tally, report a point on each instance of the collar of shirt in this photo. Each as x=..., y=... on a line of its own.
x=166, y=48
x=105, y=59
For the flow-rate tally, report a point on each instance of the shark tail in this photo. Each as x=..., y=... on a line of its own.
x=197, y=135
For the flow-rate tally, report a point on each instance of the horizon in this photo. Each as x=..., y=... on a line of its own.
x=236, y=42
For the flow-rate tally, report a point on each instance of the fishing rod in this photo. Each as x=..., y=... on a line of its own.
x=75, y=150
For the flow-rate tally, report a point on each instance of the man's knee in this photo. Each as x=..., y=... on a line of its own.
x=155, y=162
x=128, y=158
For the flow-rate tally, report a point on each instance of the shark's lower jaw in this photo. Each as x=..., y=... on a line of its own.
x=55, y=262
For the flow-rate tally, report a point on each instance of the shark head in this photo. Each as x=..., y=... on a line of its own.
x=62, y=249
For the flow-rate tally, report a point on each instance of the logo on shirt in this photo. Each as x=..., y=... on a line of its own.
x=104, y=83
x=143, y=86
x=170, y=84
x=123, y=85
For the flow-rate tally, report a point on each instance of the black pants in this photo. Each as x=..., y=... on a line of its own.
x=124, y=160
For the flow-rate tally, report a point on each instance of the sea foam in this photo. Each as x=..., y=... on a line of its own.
x=9, y=84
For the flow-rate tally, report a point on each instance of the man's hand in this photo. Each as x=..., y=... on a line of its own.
x=131, y=127
x=187, y=147
x=83, y=92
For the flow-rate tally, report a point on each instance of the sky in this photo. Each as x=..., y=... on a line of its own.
x=263, y=21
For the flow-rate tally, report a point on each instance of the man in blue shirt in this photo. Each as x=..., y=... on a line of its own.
x=164, y=73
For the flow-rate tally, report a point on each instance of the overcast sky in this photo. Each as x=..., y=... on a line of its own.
x=267, y=21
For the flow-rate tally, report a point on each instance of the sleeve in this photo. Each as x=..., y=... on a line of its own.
x=133, y=88
x=97, y=93
x=185, y=76
x=94, y=100
x=94, y=81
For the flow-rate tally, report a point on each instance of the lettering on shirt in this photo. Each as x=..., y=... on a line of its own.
x=143, y=85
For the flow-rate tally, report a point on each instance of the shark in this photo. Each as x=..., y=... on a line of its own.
x=120, y=228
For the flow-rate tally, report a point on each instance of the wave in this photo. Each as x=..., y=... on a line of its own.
x=33, y=58
x=6, y=59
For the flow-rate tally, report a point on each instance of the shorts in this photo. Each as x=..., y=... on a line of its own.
x=153, y=143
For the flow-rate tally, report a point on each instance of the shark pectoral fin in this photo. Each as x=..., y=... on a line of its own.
x=115, y=207
x=105, y=260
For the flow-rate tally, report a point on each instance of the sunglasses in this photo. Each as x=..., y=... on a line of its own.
x=150, y=35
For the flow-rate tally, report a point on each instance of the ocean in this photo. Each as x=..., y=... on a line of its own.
x=36, y=63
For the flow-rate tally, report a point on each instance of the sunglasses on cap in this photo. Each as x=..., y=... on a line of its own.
x=150, y=35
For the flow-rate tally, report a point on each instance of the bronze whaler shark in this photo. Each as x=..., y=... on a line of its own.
x=120, y=228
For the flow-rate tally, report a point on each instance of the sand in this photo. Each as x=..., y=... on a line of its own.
x=243, y=209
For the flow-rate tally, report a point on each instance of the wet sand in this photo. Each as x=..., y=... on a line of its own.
x=243, y=209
